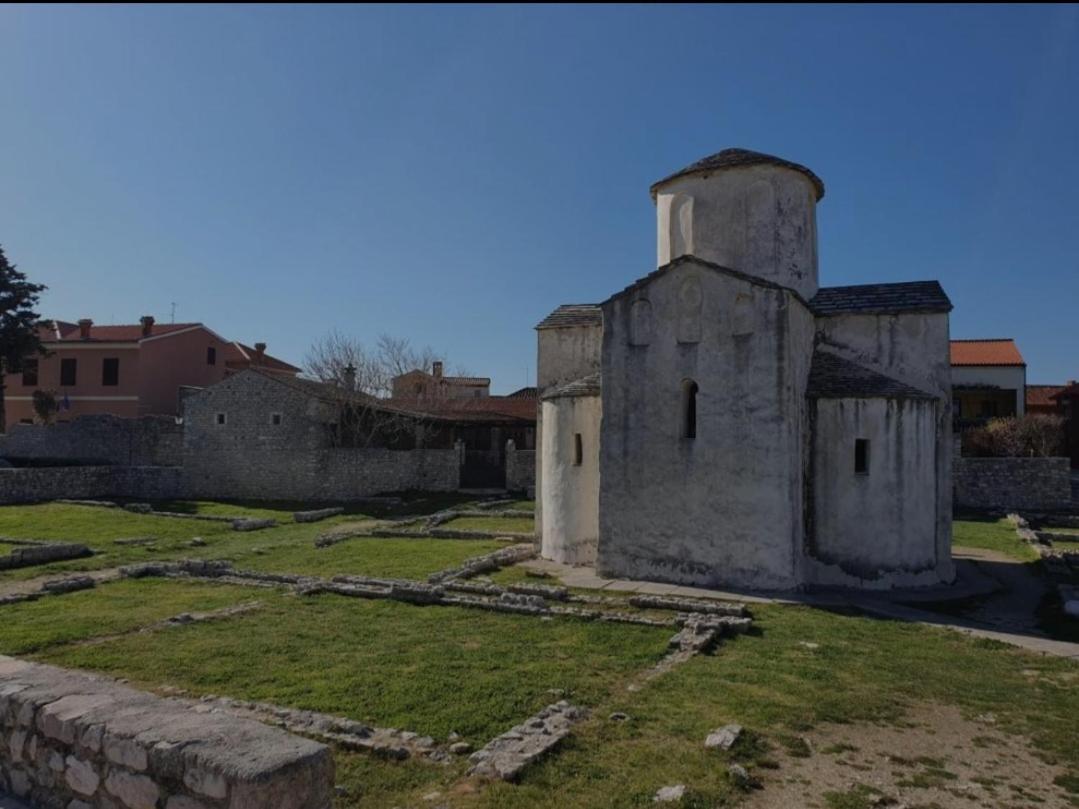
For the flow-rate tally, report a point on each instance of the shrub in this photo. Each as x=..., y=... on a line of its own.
x=1031, y=436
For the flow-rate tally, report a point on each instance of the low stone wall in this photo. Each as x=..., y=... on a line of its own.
x=326, y=475
x=69, y=739
x=145, y=441
x=31, y=485
x=1012, y=483
x=520, y=469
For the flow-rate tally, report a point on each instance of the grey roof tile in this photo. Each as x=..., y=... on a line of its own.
x=585, y=386
x=734, y=158
x=833, y=377
x=867, y=299
x=573, y=314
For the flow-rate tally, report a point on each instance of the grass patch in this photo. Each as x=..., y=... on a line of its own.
x=992, y=535
x=432, y=670
x=516, y=525
x=860, y=796
x=122, y=606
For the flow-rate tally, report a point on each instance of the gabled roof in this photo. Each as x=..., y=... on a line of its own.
x=709, y=265
x=735, y=158
x=1001, y=351
x=245, y=354
x=1071, y=390
x=531, y=392
x=484, y=409
x=833, y=377
x=881, y=299
x=573, y=314
x=585, y=386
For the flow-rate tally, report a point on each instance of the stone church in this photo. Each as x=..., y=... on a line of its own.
x=726, y=421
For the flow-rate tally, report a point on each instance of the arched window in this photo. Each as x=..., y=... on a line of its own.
x=689, y=409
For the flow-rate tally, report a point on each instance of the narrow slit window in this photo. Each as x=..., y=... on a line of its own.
x=578, y=450
x=29, y=373
x=689, y=409
x=861, y=456
x=221, y=419
x=275, y=419
x=211, y=355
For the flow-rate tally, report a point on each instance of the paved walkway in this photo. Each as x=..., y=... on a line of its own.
x=1008, y=618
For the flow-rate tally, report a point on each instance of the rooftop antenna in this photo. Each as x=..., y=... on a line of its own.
x=173, y=315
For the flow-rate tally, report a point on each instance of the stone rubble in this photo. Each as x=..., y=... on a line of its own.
x=506, y=755
x=252, y=524
x=735, y=609
x=68, y=584
x=317, y=514
x=724, y=738
x=29, y=554
x=669, y=794
x=503, y=557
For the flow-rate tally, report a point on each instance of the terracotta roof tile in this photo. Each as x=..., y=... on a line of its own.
x=986, y=352
x=69, y=332
x=1042, y=395
x=487, y=408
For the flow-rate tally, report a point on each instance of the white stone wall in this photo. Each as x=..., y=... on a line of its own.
x=570, y=504
x=914, y=348
x=726, y=507
x=760, y=220
x=875, y=529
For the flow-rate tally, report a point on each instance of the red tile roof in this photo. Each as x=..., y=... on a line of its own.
x=486, y=408
x=986, y=352
x=241, y=355
x=69, y=332
x=1042, y=395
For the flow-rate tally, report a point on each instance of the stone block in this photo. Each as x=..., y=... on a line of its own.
x=81, y=776
x=206, y=782
x=126, y=752
x=134, y=791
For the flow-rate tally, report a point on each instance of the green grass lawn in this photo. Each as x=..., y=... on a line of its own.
x=992, y=535
x=515, y=525
x=428, y=669
x=113, y=608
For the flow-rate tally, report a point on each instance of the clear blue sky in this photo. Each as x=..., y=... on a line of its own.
x=452, y=174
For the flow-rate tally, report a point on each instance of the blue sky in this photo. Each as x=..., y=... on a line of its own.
x=452, y=174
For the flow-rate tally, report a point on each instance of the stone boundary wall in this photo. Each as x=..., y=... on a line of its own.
x=32, y=485
x=520, y=469
x=313, y=475
x=100, y=439
x=1012, y=483
x=73, y=740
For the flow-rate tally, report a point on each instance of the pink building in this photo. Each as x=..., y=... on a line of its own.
x=128, y=370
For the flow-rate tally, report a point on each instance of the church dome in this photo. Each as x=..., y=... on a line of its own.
x=736, y=158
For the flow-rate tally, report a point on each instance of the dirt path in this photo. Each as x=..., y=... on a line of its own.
x=934, y=758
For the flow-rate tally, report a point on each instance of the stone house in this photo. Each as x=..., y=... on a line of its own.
x=127, y=370
x=725, y=421
x=417, y=384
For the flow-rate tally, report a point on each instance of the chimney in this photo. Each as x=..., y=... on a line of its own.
x=350, y=377
x=436, y=369
x=260, y=353
x=84, y=328
x=147, y=322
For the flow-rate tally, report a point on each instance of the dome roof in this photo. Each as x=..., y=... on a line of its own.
x=734, y=158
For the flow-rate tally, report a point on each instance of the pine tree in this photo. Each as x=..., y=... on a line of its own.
x=19, y=339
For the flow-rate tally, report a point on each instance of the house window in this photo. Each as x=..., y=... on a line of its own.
x=220, y=419
x=110, y=371
x=68, y=372
x=275, y=419
x=578, y=450
x=211, y=356
x=689, y=409
x=29, y=373
x=861, y=456
x=989, y=408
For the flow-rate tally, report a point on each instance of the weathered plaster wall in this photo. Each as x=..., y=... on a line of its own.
x=146, y=441
x=760, y=220
x=69, y=739
x=877, y=528
x=727, y=506
x=570, y=531
x=564, y=355
x=914, y=348
x=1001, y=484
